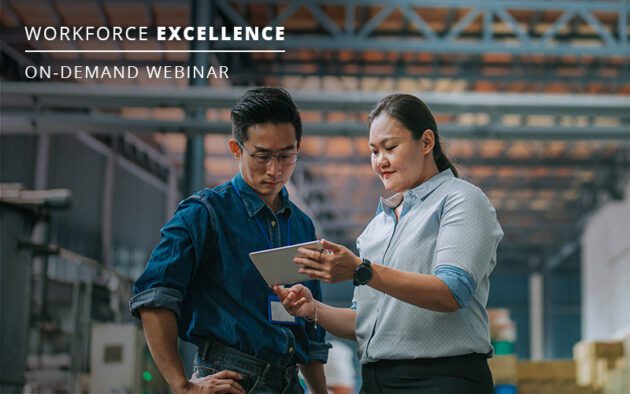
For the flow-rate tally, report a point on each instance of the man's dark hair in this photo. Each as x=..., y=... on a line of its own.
x=264, y=105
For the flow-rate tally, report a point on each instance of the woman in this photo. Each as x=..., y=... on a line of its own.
x=421, y=280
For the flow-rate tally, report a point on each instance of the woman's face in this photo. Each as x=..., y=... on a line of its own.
x=397, y=158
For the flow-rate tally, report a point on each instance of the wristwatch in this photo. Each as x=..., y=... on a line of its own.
x=362, y=273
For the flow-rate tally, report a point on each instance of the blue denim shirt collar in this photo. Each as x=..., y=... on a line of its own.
x=411, y=197
x=253, y=202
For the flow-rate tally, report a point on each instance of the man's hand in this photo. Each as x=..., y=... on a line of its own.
x=298, y=300
x=223, y=382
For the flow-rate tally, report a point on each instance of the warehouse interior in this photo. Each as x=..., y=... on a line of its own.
x=532, y=99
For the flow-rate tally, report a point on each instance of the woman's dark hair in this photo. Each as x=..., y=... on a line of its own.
x=264, y=105
x=416, y=117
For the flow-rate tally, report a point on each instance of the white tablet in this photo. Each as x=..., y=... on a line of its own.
x=276, y=265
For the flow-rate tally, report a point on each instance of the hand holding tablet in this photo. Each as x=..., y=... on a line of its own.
x=276, y=265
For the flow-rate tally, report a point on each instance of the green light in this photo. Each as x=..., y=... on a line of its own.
x=146, y=375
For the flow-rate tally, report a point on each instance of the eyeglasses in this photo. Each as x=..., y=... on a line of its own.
x=263, y=159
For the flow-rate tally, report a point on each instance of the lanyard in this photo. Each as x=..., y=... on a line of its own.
x=260, y=225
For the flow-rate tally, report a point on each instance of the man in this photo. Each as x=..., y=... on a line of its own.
x=200, y=283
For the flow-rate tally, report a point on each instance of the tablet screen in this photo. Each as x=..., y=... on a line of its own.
x=276, y=265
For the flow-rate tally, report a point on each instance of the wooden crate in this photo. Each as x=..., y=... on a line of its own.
x=598, y=349
x=554, y=388
x=594, y=360
x=617, y=380
x=550, y=371
x=503, y=369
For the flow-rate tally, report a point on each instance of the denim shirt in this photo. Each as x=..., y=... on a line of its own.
x=201, y=271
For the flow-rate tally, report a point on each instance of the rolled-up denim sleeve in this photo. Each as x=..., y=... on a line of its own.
x=458, y=281
x=157, y=297
x=318, y=351
x=174, y=261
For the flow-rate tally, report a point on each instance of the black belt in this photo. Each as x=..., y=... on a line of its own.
x=211, y=350
x=429, y=361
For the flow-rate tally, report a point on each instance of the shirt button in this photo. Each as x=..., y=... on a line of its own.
x=273, y=223
x=291, y=349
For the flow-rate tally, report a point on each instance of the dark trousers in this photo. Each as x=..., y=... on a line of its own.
x=467, y=374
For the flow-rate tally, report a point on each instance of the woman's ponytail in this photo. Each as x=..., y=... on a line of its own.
x=443, y=163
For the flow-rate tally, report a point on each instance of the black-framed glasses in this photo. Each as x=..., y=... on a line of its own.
x=263, y=159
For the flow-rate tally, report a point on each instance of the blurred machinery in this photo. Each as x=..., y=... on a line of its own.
x=120, y=355
x=22, y=228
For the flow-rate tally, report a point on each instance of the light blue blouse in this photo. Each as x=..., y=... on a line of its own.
x=448, y=228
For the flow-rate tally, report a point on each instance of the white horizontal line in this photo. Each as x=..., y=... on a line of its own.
x=153, y=50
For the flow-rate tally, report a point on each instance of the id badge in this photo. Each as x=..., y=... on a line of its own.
x=277, y=313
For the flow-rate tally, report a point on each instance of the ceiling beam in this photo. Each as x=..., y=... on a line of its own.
x=63, y=95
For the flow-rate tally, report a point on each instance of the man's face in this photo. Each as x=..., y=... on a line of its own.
x=265, y=141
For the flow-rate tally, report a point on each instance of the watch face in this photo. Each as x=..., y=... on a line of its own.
x=363, y=274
